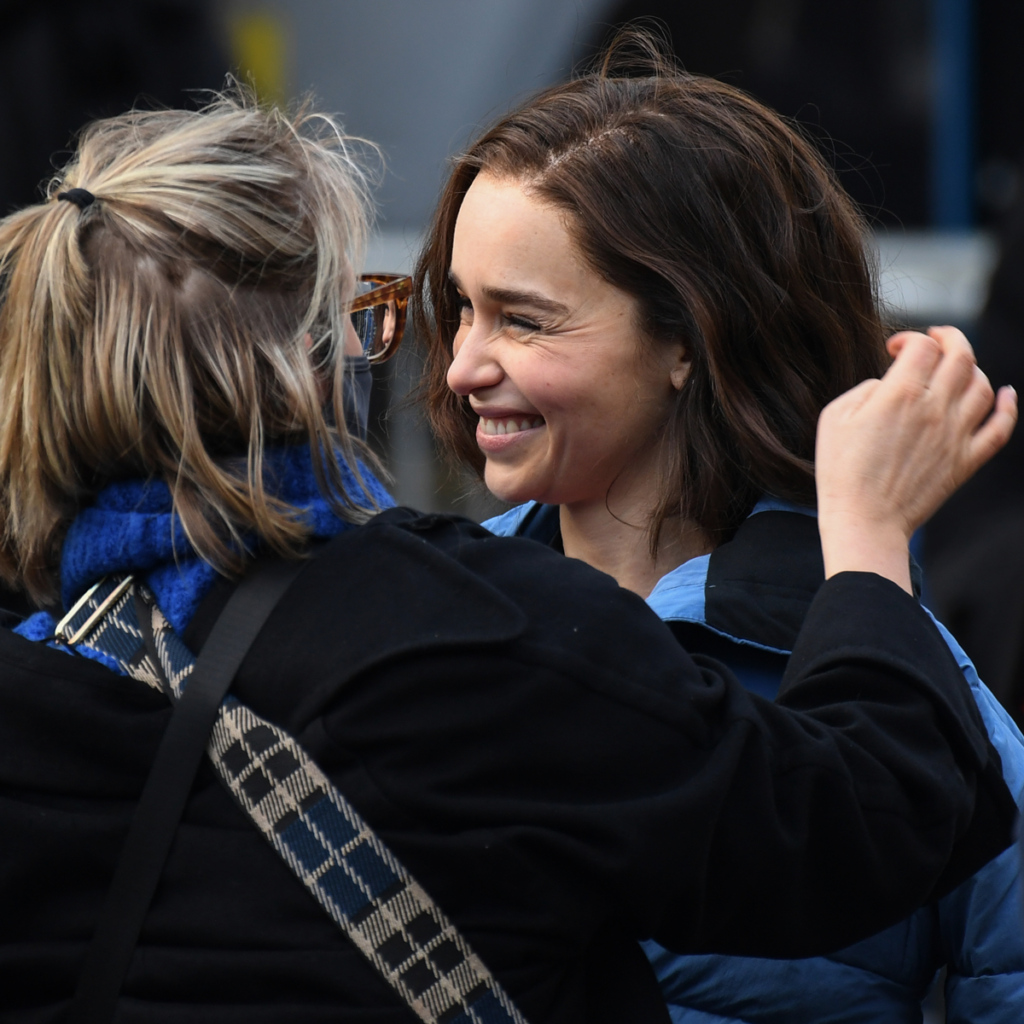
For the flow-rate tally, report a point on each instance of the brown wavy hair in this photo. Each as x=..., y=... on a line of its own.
x=172, y=328
x=725, y=225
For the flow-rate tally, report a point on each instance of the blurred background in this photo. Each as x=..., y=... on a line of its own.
x=919, y=104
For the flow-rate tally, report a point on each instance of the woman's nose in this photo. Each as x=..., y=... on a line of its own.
x=473, y=363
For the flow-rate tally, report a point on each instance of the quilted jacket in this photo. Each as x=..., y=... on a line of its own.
x=744, y=604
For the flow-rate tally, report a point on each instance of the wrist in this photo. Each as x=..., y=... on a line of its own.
x=856, y=545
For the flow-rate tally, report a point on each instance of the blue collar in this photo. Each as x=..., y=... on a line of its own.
x=692, y=593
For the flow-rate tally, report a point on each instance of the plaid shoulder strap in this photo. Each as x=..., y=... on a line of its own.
x=334, y=853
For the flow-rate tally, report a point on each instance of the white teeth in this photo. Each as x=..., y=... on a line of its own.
x=510, y=426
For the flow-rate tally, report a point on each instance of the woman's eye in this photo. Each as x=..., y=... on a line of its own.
x=521, y=322
x=464, y=307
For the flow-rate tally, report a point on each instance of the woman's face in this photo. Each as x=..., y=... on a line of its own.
x=550, y=358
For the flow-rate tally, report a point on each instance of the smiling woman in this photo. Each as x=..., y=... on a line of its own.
x=706, y=234
x=639, y=293
x=550, y=357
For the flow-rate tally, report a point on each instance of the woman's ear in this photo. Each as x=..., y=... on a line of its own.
x=681, y=366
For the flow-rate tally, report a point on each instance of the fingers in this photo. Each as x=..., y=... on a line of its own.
x=891, y=451
x=994, y=432
x=898, y=342
x=956, y=368
x=976, y=401
x=942, y=358
x=950, y=338
x=895, y=344
x=940, y=369
x=916, y=358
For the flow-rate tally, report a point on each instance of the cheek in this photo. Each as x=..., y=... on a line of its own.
x=612, y=416
x=563, y=388
x=585, y=402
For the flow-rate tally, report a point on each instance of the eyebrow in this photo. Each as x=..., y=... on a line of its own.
x=512, y=297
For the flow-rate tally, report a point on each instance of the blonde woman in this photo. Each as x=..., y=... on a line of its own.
x=430, y=728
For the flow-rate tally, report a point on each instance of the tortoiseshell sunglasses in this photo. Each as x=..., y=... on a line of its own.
x=379, y=310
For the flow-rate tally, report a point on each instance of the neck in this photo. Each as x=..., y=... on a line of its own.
x=618, y=543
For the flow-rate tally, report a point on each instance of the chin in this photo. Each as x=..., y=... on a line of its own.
x=510, y=491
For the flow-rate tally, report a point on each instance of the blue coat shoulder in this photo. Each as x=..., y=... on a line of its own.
x=744, y=605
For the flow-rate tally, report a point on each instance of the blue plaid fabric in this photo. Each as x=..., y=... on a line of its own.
x=319, y=835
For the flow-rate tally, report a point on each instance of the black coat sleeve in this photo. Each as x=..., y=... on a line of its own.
x=548, y=762
x=868, y=789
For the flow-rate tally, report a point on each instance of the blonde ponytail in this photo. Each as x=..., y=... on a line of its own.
x=163, y=330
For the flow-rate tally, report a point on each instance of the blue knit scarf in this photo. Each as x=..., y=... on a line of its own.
x=132, y=528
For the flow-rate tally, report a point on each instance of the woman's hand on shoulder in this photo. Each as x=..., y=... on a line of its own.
x=891, y=451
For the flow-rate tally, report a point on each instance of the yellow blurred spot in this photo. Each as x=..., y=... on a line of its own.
x=259, y=48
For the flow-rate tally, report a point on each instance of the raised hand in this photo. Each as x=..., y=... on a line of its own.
x=891, y=451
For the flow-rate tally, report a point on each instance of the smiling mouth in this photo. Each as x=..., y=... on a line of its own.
x=509, y=425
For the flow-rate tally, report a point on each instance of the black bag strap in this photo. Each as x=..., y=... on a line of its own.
x=167, y=788
x=319, y=835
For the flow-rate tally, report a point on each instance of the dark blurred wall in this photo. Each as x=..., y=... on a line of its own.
x=860, y=75
x=974, y=546
x=855, y=72
x=63, y=64
x=999, y=109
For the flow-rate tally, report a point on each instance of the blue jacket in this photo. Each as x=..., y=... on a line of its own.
x=744, y=604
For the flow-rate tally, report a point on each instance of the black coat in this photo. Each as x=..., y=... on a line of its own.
x=548, y=763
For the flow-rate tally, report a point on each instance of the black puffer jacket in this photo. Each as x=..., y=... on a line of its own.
x=536, y=747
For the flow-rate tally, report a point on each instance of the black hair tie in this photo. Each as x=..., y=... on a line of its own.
x=81, y=197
